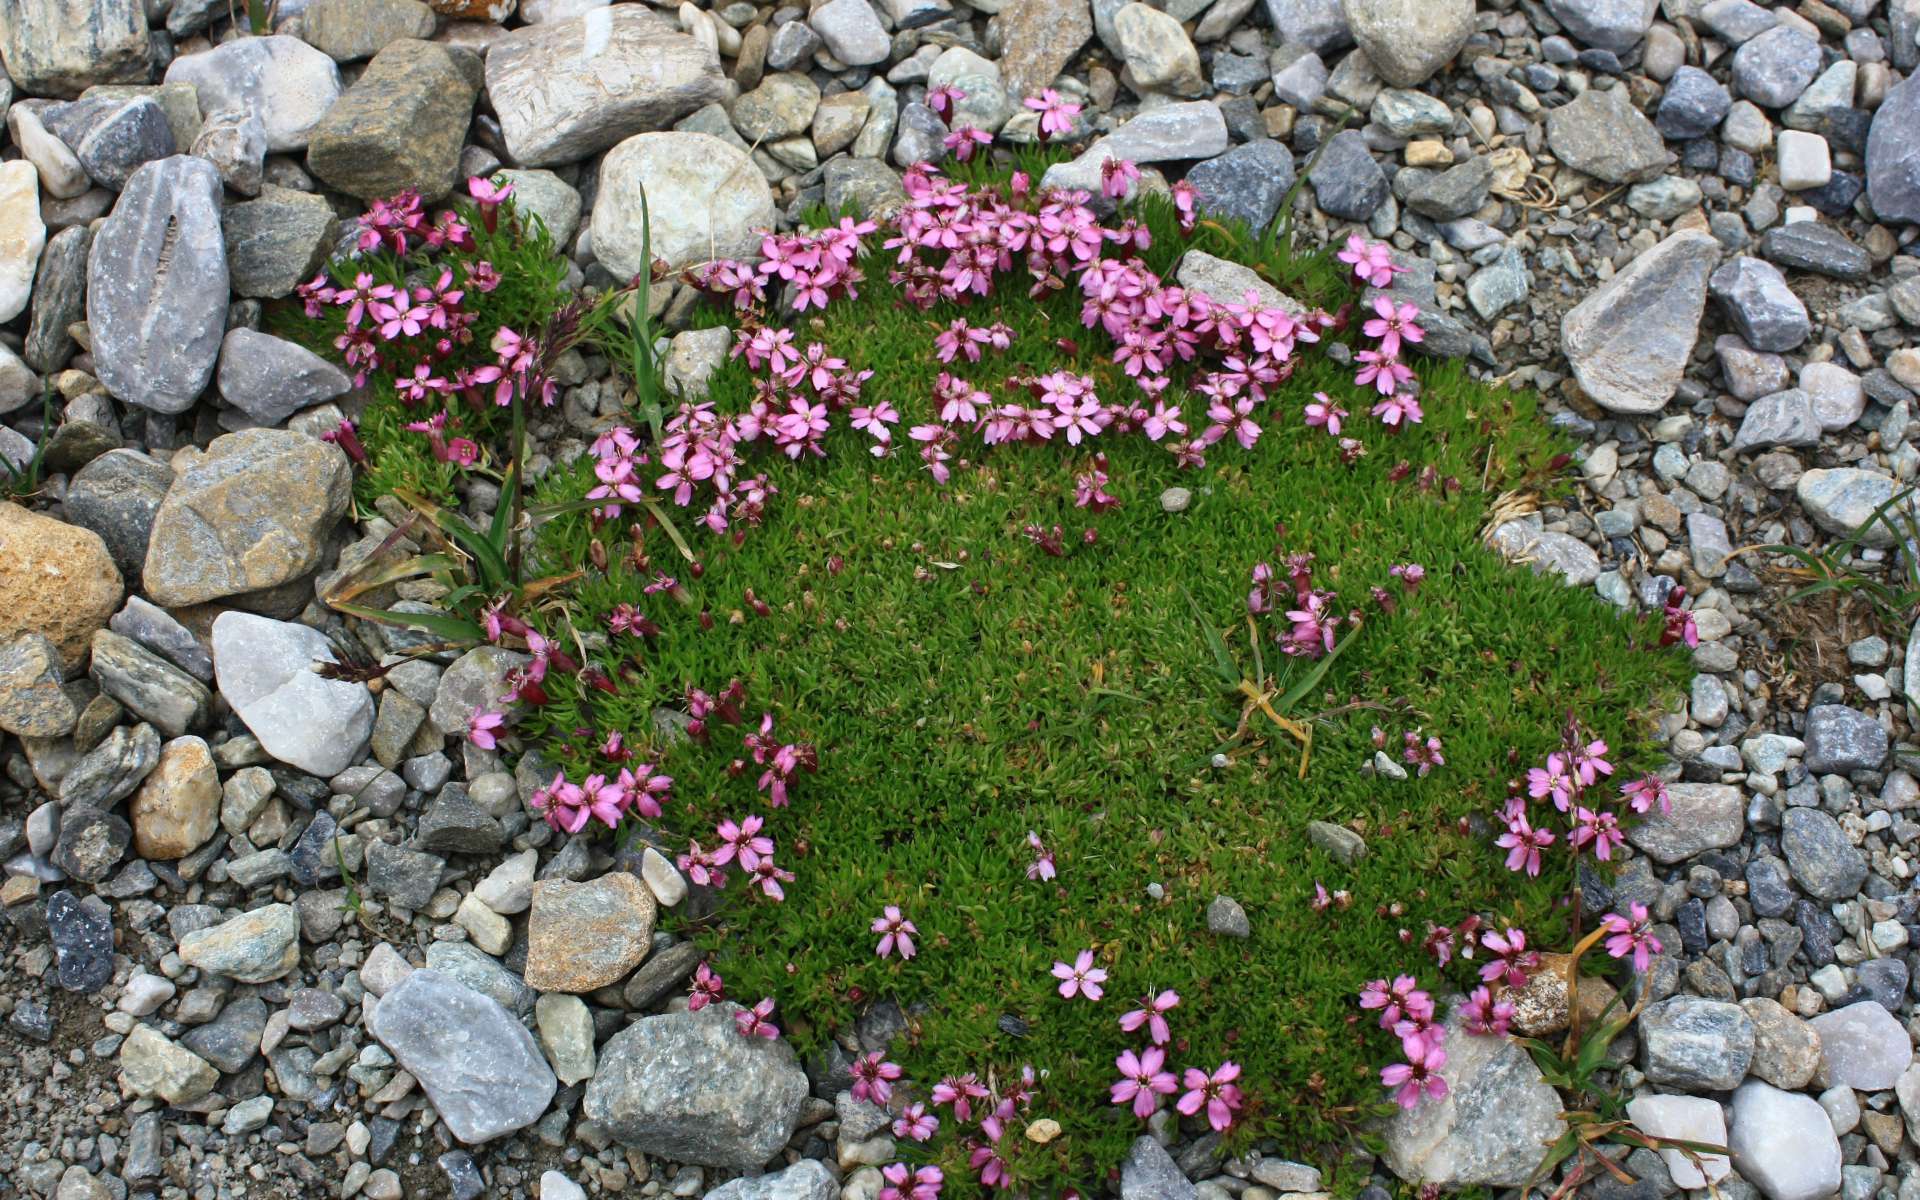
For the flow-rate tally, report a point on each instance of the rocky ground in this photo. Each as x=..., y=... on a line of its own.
x=1689, y=224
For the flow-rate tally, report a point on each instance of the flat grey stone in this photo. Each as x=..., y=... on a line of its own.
x=270, y=379
x=1628, y=343
x=1694, y=1044
x=475, y=1060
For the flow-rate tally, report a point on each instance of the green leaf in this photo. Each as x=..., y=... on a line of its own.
x=1313, y=677
x=1223, y=664
x=443, y=625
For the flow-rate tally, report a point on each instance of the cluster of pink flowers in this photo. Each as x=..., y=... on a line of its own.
x=1423, y=753
x=1310, y=612
x=1570, y=781
x=1146, y=1081
x=737, y=842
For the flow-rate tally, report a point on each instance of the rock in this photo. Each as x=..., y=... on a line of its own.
x=555, y=1186
x=687, y=1087
x=1836, y=393
x=265, y=671
x=1229, y=282
x=1407, y=41
x=1225, y=918
x=1773, y=68
x=400, y=126
x=483, y=974
x=236, y=145
x=1346, y=181
x=117, y=496
x=549, y=197
x=60, y=582
x=475, y=680
x=22, y=236
x=278, y=241
x=1603, y=135
x=349, y=30
x=474, y=1059
x=1246, y=183
x=1786, y=1050
x=1338, y=842
x=1822, y=860
x=63, y=47
x=1691, y=1043
x=792, y=45
x=1706, y=816
x=1690, y=1119
x=1783, y=1143
x=852, y=31
x=91, y=843
x=917, y=139
x=1449, y=194
x=1320, y=25
x=1893, y=155
x=1803, y=161
x=250, y=512
x=59, y=299
x=1158, y=52
x=1300, y=79
x=150, y=687
x=454, y=824
x=1616, y=25
x=1785, y=418
x=178, y=806
x=231, y=1040
x=1524, y=541
x=1500, y=284
x=32, y=700
x=1628, y=343
x=112, y=136
x=582, y=936
x=61, y=175
x=285, y=83
x=1811, y=246
x=1039, y=38
x=1755, y=296
x=1489, y=1127
x=566, y=1031
x=838, y=121
x=783, y=105
x=568, y=89
x=110, y=771
x=270, y=379
x=1149, y=1173
x=82, y=936
x=707, y=200
x=150, y=1065
x=254, y=947
x=808, y=1179
x=1410, y=114
x=1692, y=106
x=157, y=286
x=660, y=974
x=1862, y=1046
x=1841, y=500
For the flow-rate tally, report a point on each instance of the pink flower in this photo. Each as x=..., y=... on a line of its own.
x=896, y=932
x=757, y=1021
x=960, y=1091
x=1323, y=413
x=484, y=727
x=916, y=1123
x=1382, y=372
x=1372, y=262
x=909, y=1183
x=707, y=988
x=1552, y=780
x=873, y=1078
x=1418, y=1078
x=1041, y=868
x=1483, y=1017
x=1601, y=829
x=1631, y=937
x=1410, y=575
x=1512, y=960
x=1425, y=754
x=1679, y=626
x=1056, y=113
x=1117, y=177
x=1403, y=996
x=987, y=1163
x=1144, y=1079
x=1152, y=1013
x=1216, y=1092
x=963, y=141
x=942, y=99
x=1393, y=325
x=1399, y=411
x=1082, y=978
x=486, y=191
x=1523, y=844
x=1645, y=792
x=1589, y=762
x=1186, y=199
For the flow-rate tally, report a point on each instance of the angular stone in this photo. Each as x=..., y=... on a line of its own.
x=1842, y=500
x=808, y=1179
x=1149, y=1173
x=474, y=681
x=350, y=30
x=568, y=89
x=231, y=1040
x=1811, y=246
x=1705, y=816
x=1346, y=181
x=781, y=106
x=1693, y=105
x=254, y=947
x=1691, y=1043
x=250, y=512
x=401, y=124
x=110, y=771
x=475, y=1060
x=454, y=824
x=92, y=842
x=1783, y=1143
x=1785, y=418
x=1524, y=541
x=986, y=105
x=1246, y=183
x=1157, y=52
x=283, y=82
x=150, y=687
x=117, y=496
x=157, y=286
x=1862, y=1046
x=22, y=236
x=1229, y=282
x=63, y=47
x=483, y=973
x=1773, y=68
x=82, y=936
x=59, y=299
x=1755, y=296
x=265, y=671
x=60, y=582
x=706, y=200
x=277, y=241
x=33, y=702
x=1489, y=1127
x=112, y=136
x=1822, y=860
x=1320, y=25
x=178, y=806
x=1038, y=39
x=566, y=1032
x=1893, y=155
x=1616, y=25
x=661, y=974
x=1786, y=1050
x=582, y=936
x=270, y=379
x=687, y=1087
x=1408, y=41
x=1603, y=135
x=1690, y=1119
x=1628, y=343
x=150, y=1065
x=547, y=196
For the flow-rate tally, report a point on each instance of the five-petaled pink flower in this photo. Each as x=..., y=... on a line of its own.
x=1511, y=958
x=915, y=1123
x=1483, y=1016
x=1645, y=792
x=911, y=1183
x=1372, y=262
x=896, y=933
x=1217, y=1093
x=1523, y=843
x=484, y=728
x=757, y=1021
x=1082, y=978
x=1418, y=1078
x=1056, y=113
x=1631, y=936
x=707, y=988
x=1152, y=1013
x=1144, y=1079
x=873, y=1078
x=960, y=1091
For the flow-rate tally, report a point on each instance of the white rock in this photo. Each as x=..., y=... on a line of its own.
x=508, y=889
x=705, y=199
x=61, y=175
x=288, y=84
x=145, y=994
x=488, y=929
x=1688, y=1118
x=1783, y=1143
x=1837, y=395
x=1805, y=161
x=662, y=878
x=22, y=235
x=1862, y=1046
x=265, y=671
x=555, y=1186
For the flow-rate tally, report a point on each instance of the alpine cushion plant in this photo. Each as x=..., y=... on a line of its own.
x=937, y=714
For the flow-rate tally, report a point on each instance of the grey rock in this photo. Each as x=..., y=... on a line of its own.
x=868, y=185
x=157, y=286
x=236, y=145
x=1445, y=195
x=401, y=124
x=1755, y=296
x=1346, y=181
x=150, y=687
x=917, y=137
x=109, y=772
x=231, y=1040
x=116, y=496
x=1773, y=68
x=1705, y=816
x=1320, y=25
x=1616, y=25
x=852, y=32
x=1337, y=842
x=1161, y=59
x=1785, y=418
x=1811, y=246
x=545, y=195
x=807, y=1179
x=1489, y=1127
x=406, y=877
x=1783, y=1143
x=1603, y=135
x=59, y=299
x=1149, y=1173
x=475, y=1060
x=254, y=947
x=783, y=105
x=1247, y=182
x=1842, y=500
x=1408, y=41
x=1300, y=78
x=793, y=45
x=986, y=104
x=270, y=379
x=1862, y=1046
x=265, y=670
x=688, y=1087
x=1409, y=114
x=1692, y=106
x=285, y=83
x=1226, y=918
x=483, y=973
x=350, y=30
x=82, y=935
x=1187, y=129
x=1737, y=21
x=1694, y=1044
x=1500, y=284
x=454, y=824
x=1841, y=740
x=61, y=47
x=660, y=974
x=1822, y=860
x=1628, y=343
x=33, y=702
x=1893, y=153
x=475, y=680
x=1524, y=541
x=112, y=137
x=314, y=858
x=91, y=843
x=277, y=241
x=706, y=199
